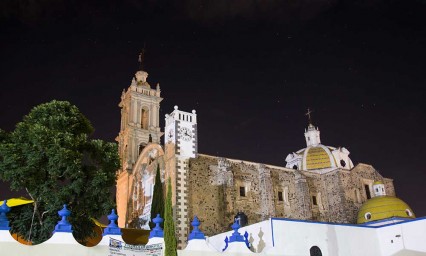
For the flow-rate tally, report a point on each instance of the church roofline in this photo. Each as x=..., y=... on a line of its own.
x=371, y=166
x=364, y=165
x=251, y=163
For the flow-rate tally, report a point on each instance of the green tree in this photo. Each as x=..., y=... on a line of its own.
x=157, y=198
x=50, y=156
x=169, y=224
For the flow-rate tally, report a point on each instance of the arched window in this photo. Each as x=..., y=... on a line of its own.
x=295, y=167
x=315, y=251
x=342, y=163
x=144, y=118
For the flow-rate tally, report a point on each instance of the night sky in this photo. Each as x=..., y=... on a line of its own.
x=250, y=69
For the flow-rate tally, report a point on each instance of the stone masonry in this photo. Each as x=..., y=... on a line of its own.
x=218, y=188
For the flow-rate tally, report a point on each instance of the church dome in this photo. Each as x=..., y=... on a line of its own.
x=384, y=207
x=318, y=157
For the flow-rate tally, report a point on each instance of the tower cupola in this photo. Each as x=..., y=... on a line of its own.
x=141, y=76
x=379, y=189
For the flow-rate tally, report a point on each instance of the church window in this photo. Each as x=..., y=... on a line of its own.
x=367, y=216
x=408, y=212
x=242, y=191
x=295, y=167
x=144, y=118
x=280, y=196
x=367, y=191
x=314, y=200
x=315, y=251
x=286, y=195
x=342, y=163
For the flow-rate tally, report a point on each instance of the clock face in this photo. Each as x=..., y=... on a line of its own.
x=185, y=133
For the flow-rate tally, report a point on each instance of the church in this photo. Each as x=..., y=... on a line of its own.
x=318, y=183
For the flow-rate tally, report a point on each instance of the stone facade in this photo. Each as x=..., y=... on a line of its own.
x=220, y=187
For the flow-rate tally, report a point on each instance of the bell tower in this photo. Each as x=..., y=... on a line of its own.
x=140, y=108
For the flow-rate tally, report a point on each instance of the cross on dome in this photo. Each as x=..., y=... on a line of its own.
x=308, y=113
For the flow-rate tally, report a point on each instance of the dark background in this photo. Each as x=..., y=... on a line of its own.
x=250, y=69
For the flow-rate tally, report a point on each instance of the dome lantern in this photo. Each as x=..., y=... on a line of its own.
x=312, y=136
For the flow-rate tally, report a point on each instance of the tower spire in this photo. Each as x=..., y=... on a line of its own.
x=141, y=57
x=141, y=75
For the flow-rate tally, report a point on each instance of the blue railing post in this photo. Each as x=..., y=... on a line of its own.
x=112, y=228
x=63, y=225
x=157, y=231
x=4, y=222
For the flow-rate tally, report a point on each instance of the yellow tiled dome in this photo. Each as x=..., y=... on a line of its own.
x=317, y=158
x=384, y=207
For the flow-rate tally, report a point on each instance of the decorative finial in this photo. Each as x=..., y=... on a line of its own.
x=63, y=225
x=4, y=222
x=236, y=236
x=112, y=228
x=196, y=232
x=157, y=231
x=308, y=113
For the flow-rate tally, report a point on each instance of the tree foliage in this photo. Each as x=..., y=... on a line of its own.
x=50, y=156
x=157, y=198
x=169, y=224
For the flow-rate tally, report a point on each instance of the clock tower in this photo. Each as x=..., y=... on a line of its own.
x=181, y=129
x=181, y=144
x=140, y=107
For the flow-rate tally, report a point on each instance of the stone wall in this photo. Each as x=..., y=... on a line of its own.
x=271, y=191
x=215, y=194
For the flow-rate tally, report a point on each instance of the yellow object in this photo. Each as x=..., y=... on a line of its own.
x=377, y=182
x=384, y=207
x=17, y=202
x=317, y=158
x=98, y=223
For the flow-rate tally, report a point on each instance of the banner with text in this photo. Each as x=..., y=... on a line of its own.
x=117, y=247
